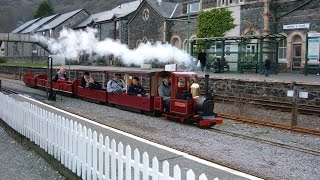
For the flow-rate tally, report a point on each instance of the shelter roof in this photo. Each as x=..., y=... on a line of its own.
x=241, y=38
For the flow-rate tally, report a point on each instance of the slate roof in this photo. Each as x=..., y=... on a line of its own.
x=119, y=11
x=25, y=25
x=59, y=20
x=38, y=24
x=166, y=9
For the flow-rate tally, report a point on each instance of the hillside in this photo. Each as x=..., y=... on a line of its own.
x=13, y=13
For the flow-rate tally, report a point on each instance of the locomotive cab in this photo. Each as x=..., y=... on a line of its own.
x=186, y=104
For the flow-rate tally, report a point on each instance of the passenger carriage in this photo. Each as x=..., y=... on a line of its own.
x=186, y=105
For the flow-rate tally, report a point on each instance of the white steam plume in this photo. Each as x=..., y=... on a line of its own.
x=72, y=44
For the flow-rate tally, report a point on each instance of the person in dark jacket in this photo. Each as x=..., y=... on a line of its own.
x=136, y=89
x=202, y=58
x=94, y=84
x=267, y=66
x=85, y=80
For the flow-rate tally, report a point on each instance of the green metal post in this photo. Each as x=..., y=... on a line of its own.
x=222, y=56
x=261, y=55
x=306, y=58
x=239, y=58
x=277, y=58
x=188, y=31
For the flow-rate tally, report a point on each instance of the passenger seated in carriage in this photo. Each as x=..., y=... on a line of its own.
x=85, y=80
x=94, y=84
x=61, y=76
x=116, y=85
x=136, y=89
x=164, y=90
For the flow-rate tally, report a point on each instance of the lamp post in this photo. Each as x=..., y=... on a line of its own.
x=52, y=95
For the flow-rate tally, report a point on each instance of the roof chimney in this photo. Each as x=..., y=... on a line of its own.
x=159, y=2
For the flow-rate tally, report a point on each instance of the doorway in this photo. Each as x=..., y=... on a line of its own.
x=297, y=51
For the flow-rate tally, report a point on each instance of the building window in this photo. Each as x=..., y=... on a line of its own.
x=227, y=50
x=283, y=49
x=232, y=1
x=251, y=50
x=194, y=7
x=222, y=2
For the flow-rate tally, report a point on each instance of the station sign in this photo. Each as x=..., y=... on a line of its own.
x=296, y=26
x=170, y=67
x=313, y=35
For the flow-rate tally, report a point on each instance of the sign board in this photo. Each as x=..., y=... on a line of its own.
x=296, y=26
x=170, y=67
x=303, y=95
x=313, y=48
x=313, y=34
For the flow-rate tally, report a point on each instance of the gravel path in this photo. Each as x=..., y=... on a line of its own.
x=20, y=163
x=255, y=158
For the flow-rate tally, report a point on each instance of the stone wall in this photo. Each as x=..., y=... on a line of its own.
x=148, y=30
x=273, y=91
x=70, y=23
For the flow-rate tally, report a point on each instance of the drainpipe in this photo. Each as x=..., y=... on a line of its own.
x=164, y=31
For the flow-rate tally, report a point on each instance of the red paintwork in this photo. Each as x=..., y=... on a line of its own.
x=136, y=102
x=29, y=79
x=92, y=94
x=181, y=107
x=41, y=80
x=175, y=81
x=158, y=103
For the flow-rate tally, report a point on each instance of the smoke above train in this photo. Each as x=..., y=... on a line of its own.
x=71, y=44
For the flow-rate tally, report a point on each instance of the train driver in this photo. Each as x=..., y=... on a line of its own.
x=164, y=90
x=116, y=85
x=136, y=89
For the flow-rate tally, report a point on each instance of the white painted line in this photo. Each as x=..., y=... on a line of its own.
x=186, y=155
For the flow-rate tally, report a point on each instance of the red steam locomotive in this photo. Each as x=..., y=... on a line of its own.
x=186, y=105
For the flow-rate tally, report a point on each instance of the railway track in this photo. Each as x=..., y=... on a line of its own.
x=229, y=116
x=273, y=105
x=273, y=143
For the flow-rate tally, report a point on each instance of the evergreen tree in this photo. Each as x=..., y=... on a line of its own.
x=44, y=9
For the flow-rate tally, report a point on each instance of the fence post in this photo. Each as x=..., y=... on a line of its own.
x=294, y=121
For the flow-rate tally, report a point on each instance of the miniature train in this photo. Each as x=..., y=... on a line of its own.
x=186, y=105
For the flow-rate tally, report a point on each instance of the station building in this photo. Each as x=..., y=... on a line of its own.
x=171, y=21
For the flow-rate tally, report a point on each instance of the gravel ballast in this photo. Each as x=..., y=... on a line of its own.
x=260, y=159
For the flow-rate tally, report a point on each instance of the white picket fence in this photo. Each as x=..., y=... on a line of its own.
x=83, y=151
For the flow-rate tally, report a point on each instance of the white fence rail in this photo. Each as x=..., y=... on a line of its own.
x=83, y=151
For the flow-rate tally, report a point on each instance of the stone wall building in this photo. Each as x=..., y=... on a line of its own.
x=293, y=19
